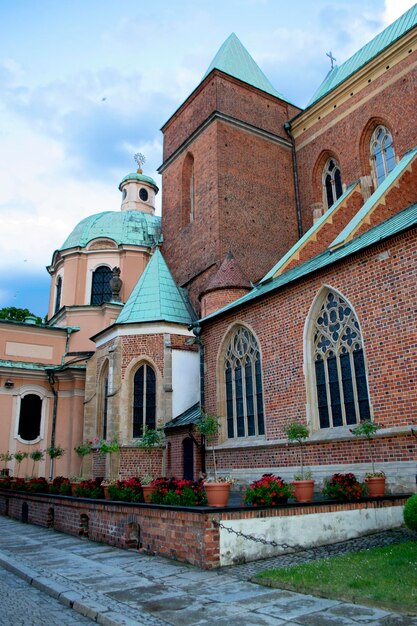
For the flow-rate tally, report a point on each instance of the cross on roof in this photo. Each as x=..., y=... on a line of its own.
x=331, y=57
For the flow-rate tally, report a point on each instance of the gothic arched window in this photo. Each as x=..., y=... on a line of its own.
x=382, y=153
x=188, y=191
x=30, y=417
x=103, y=395
x=144, y=399
x=340, y=371
x=332, y=183
x=100, y=287
x=58, y=294
x=243, y=379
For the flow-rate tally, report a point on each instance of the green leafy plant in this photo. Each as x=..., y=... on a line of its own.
x=36, y=456
x=298, y=433
x=151, y=439
x=367, y=429
x=61, y=485
x=90, y=489
x=178, y=492
x=410, y=513
x=128, y=490
x=209, y=426
x=37, y=485
x=269, y=490
x=5, y=457
x=19, y=484
x=82, y=450
x=344, y=487
x=19, y=457
x=55, y=452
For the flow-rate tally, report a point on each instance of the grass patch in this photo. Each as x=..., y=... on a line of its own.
x=384, y=577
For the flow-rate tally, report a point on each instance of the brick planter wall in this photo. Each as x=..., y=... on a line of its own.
x=193, y=535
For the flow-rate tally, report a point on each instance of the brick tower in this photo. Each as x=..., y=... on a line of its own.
x=227, y=174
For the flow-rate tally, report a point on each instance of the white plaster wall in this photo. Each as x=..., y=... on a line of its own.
x=316, y=529
x=185, y=380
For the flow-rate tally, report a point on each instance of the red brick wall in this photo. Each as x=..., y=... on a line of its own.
x=175, y=459
x=214, y=300
x=382, y=290
x=345, y=132
x=143, y=345
x=136, y=462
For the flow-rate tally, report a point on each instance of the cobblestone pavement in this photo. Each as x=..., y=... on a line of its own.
x=124, y=588
x=23, y=605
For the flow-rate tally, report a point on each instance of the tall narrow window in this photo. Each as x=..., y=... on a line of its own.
x=188, y=191
x=332, y=183
x=144, y=399
x=58, y=294
x=243, y=379
x=30, y=417
x=382, y=152
x=341, y=384
x=100, y=288
x=103, y=395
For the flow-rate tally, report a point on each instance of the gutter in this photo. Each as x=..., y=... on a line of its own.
x=287, y=128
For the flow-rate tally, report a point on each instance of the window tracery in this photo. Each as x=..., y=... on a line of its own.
x=332, y=183
x=382, y=153
x=144, y=399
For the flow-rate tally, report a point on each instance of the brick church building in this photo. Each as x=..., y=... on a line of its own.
x=279, y=284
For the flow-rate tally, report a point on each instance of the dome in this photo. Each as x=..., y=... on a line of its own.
x=124, y=227
x=140, y=178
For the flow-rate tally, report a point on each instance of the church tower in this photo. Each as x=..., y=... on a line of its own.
x=227, y=174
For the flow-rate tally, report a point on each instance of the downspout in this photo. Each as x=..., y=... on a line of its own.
x=52, y=382
x=287, y=127
x=197, y=330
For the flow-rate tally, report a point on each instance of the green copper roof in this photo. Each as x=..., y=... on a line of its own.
x=308, y=234
x=156, y=297
x=141, y=178
x=337, y=75
x=375, y=198
x=190, y=416
x=397, y=223
x=233, y=59
x=124, y=227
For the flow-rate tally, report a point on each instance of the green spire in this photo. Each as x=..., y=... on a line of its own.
x=156, y=297
x=233, y=59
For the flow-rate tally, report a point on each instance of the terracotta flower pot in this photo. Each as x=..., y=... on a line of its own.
x=106, y=492
x=376, y=486
x=147, y=492
x=217, y=493
x=303, y=490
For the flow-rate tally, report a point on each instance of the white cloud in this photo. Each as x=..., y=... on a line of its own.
x=395, y=8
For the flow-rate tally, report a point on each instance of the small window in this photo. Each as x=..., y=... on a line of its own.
x=332, y=183
x=30, y=417
x=243, y=380
x=188, y=191
x=58, y=294
x=102, y=403
x=339, y=364
x=143, y=194
x=144, y=400
x=382, y=153
x=100, y=288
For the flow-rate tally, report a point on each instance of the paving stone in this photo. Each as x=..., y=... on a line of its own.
x=296, y=606
x=361, y=614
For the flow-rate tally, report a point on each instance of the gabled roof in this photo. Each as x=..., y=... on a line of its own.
x=280, y=266
x=190, y=416
x=156, y=297
x=394, y=31
x=233, y=59
x=349, y=231
x=398, y=223
x=229, y=275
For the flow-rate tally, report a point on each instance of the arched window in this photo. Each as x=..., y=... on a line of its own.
x=100, y=288
x=188, y=191
x=382, y=153
x=30, y=417
x=58, y=294
x=144, y=399
x=332, y=183
x=243, y=378
x=103, y=395
x=340, y=371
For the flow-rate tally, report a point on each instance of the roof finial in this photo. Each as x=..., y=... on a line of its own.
x=331, y=57
x=140, y=160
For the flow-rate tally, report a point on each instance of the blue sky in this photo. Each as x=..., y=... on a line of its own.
x=84, y=84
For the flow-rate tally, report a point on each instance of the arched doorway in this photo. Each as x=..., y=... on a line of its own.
x=188, y=458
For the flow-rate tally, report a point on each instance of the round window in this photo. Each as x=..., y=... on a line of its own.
x=143, y=194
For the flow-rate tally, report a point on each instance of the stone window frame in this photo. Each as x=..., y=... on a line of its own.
x=260, y=432
x=335, y=192
x=145, y=421
x=386, y=161
x=43, y=394
x=310, y=328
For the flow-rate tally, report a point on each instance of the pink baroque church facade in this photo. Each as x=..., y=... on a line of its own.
x=279, y=284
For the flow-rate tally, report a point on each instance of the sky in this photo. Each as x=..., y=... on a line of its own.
x=85, y=84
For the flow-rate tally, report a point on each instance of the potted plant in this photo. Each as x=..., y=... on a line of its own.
x=374, y=480
x=36, y=456
x=151, y=439
x=110, y=447
x=303, y=483
x=344, y=487
x=19, y=456
x=61, y=485
x=83, y=450
x=217, y=488
x=128, y=490
x=90, y=489
x=269, y=490
x=179, y=492
x=54, y=452
x=5, y=457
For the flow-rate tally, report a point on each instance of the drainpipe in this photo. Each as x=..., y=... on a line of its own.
x=197, y=330
x=52, y=382
x=287, y=127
